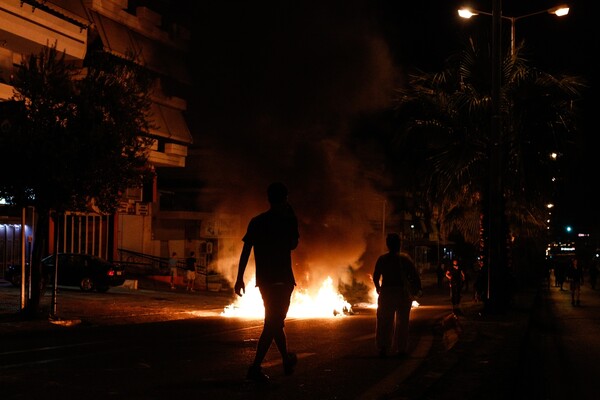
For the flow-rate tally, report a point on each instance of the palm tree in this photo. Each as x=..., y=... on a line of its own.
x=446, y=117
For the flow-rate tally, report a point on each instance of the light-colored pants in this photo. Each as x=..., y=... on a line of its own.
x=393, y=315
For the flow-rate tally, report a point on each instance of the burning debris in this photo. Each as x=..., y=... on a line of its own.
x=326, y=303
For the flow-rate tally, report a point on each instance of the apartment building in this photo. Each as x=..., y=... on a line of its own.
x=119, y=27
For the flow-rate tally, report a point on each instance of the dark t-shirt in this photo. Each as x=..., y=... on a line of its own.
x=190, y=263
x=273, y=235
x=395, y=269
x=456, y=276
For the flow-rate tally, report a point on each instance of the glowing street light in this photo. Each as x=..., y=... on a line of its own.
x=496, y=253
x=559, y=11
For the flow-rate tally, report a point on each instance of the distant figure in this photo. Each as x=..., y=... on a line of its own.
x=394, y=275
x=456, y=277
x=441, y=272
x=576, y=275
x=593, y=274
x=190, y=273
x=547, y=266
x=560, y=274
x=482, y=282
x=273, y=234
x=173, y=268
x=467, y=272
x=478, y=281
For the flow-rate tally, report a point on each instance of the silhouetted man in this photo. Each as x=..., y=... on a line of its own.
x=273, y=234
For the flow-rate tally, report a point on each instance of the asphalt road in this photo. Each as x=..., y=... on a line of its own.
x=151, y=345
x=155, y=344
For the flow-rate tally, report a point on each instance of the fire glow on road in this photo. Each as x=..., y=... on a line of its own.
x=325, y=303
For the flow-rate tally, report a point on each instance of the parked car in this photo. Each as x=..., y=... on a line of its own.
x=12, y=273
x=86, y=271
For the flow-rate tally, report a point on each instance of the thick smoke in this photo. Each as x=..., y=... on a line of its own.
x=278, y=92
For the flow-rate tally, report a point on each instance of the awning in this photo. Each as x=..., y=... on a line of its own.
x=156, y=55
x=168, y=122
x=23, y=34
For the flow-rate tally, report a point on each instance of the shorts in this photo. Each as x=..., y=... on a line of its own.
x=190, y=274
x=276, y=299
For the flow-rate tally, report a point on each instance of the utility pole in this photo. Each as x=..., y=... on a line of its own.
x=496, y=238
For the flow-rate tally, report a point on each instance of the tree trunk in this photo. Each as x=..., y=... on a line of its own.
x=38, y=281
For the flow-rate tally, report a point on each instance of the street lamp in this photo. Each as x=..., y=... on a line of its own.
x=559, y=11
x=496, y=253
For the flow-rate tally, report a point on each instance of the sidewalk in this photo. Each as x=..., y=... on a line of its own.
x=484, y=361
x=155, y=301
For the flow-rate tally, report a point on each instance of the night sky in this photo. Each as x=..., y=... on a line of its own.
x=280, y=83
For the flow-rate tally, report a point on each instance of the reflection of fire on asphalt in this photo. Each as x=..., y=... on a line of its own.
x=325, y=303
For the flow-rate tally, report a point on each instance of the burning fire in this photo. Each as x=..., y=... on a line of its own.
x=374, y=295
x=325, y=304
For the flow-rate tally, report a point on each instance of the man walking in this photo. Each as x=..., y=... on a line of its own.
x=190, y=267
x=273, y=234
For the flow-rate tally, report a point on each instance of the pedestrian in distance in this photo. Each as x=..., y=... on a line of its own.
x=576, y=276
x=478, y=281
x=593, y=274
x=173, y=268
x=560, y=272
x=440, y=273
x=456, y=278
x=273, y=235
x=468, y=272
x=397, y=282
x=190, y=272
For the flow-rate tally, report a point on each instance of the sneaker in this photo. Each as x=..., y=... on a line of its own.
x=289, y=363
x=257, y=375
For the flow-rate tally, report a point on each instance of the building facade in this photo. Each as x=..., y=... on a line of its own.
x=162, y=46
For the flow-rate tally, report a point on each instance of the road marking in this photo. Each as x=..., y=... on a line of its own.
x=407, y=366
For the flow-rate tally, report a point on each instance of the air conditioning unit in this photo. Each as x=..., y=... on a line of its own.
x=134, y=194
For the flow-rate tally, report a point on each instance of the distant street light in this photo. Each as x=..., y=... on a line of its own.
x=559, y=11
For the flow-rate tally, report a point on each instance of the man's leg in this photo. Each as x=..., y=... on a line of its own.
x=384, y=322
x=401, y=329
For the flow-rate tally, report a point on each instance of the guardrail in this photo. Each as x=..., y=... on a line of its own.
x=140, y=264
x=144, y=264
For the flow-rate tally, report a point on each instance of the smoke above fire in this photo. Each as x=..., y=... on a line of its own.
x=279, y=90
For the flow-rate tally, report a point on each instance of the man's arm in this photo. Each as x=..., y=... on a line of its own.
x=295, y=235
x=240, y=286
x=377, y=277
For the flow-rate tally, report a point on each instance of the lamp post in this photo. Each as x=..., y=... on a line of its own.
x=559, y=11
x=496, y=252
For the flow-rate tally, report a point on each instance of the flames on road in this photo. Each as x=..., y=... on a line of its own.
x=324, y=303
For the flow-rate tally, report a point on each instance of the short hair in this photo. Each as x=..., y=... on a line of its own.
x=393, y=241
x=277, y=192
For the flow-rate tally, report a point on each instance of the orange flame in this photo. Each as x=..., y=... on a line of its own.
x=326, y=303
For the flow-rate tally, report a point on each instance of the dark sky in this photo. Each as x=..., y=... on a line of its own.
x=280, y=83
